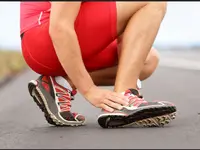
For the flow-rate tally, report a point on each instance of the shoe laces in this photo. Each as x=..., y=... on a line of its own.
x=65, y=98
x=135, y=99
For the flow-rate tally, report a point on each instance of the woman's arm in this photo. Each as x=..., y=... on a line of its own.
x=63, y=16
x=64, y=38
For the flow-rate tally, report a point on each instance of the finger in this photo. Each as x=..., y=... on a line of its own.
x=112, y=104
x=119, y=95
x=115, y=98
x=106, y=107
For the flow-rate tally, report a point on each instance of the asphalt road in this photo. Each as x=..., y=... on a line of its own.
x=22, y=124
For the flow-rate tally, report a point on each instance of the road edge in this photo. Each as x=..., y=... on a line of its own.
x=9, y=78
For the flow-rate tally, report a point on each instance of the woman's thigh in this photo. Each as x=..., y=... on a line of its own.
x=95, y=27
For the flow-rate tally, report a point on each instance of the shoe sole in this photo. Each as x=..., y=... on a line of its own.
x=40, y=100
x=149, y=117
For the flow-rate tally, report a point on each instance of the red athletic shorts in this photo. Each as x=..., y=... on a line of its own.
x=96, y=30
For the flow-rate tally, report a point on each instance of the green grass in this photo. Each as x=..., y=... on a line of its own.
x=11, y=62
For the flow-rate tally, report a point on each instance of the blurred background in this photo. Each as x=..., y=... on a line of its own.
x=179, y=32
x=23, y=126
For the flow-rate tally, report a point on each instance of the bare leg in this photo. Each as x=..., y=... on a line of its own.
x=140, y=26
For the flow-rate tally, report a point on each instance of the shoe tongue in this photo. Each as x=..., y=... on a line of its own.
x=131, y=91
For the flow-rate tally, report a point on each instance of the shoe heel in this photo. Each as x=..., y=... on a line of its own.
x=31, y=86
x=32, y=89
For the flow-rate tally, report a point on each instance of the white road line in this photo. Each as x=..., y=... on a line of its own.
x=180, y=63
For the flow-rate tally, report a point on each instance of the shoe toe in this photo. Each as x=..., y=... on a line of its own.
x=163, y=102
x=168, y=103
x=79, y=117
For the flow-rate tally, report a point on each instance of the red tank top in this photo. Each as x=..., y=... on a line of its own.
x=33, y=14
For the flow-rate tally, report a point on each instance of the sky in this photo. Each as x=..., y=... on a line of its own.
x=181, y=25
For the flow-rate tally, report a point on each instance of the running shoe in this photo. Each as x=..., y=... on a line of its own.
x=55, y=101
x=139, y=113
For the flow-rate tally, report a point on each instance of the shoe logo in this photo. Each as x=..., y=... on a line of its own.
x=161, y=103
x=130, y=107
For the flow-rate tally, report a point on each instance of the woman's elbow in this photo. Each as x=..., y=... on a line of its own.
x=59, y=28
x=54, y=29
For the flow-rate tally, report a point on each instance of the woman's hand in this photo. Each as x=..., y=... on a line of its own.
x=105, y=99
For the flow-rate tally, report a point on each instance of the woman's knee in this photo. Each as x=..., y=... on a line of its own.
x=125, y=10
x=159, y=7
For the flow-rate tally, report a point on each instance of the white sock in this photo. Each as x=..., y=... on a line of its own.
x=63, y=82
x=139, y=84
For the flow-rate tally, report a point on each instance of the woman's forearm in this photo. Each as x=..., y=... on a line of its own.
x=68, y=51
